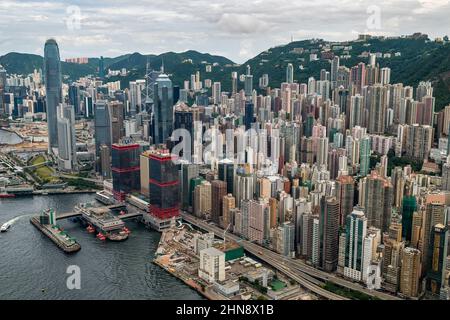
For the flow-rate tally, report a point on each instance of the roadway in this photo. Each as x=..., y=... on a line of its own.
x=310, y=277
x=271, y=259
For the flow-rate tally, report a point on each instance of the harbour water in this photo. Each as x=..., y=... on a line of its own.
x=32, y=267
x=9, y=138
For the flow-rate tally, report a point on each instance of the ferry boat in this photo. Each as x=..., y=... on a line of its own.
x=105, y=197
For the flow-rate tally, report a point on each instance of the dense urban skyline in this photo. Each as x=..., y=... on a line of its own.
x=234, y=29
x=319, y=170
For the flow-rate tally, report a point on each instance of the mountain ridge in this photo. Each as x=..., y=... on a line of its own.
x=420, y=60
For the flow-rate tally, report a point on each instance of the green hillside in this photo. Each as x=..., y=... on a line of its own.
x=420, y=60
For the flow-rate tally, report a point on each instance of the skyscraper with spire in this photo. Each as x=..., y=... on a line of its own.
x=53, y=88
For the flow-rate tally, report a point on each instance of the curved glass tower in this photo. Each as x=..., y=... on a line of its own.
x=53, y=88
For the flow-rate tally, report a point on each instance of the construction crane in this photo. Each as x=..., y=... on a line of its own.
x=224, y=232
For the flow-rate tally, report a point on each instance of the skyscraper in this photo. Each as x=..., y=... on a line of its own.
x=290, y=73
x=125, y=169
x=67, y=156
x=53, y=89
x=345, y=192
x=163, y=108
x=164, y=189
x=437, y=259
x=355, y=231
x=364, y=156
x=329, y=226
x=218, y=191
x=410, y=272
x=248, y=83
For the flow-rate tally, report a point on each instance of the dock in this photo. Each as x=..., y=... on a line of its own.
x=64, y=242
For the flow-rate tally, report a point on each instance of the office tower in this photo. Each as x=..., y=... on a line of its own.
x=334, y=71
x=226, y=173
x=105, y=161
x=101, y=68
x=410, y=272
x=163, y=108
x=53, y=89
x=437, y=259
x=229, y=203
x=188, y=172
x=135, y=96
x=144, y=165
x=376, y=198
x=377, y=105
x=212, y=265
x=248, y=83
x=345, y=192
x=74, y=98
x=290, y=73
x=249, y=115
x=409, y=206
x=164, y=189
x=102, y=123
x=286, y=239
x=218, y=191
x=416, y=229
x=125, y=169
x=185, y=118
x=258, y=221
x=243, y=185
x=116, y=112
x=67, y=155
x=355, y=233
x=329, y=226
x=364, y=156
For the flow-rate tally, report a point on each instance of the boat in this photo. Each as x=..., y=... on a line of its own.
x=101, y=236
x=7, y=195
x=90, y=229
x=5, y=227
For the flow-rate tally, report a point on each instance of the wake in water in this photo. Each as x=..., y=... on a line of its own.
x=14, y=220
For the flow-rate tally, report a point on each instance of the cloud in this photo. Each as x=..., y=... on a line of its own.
x=234, y=28
x=242, y=24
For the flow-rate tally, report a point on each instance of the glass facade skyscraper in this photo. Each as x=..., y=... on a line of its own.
x=53, y=87
x=163, y=108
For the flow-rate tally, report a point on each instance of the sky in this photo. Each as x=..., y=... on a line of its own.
x=236, y=29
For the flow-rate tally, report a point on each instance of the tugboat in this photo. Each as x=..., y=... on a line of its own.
x=90, y=229
x=126, y=230
x=101, y=236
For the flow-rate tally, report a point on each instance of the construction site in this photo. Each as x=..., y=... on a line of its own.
x=219, y=269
